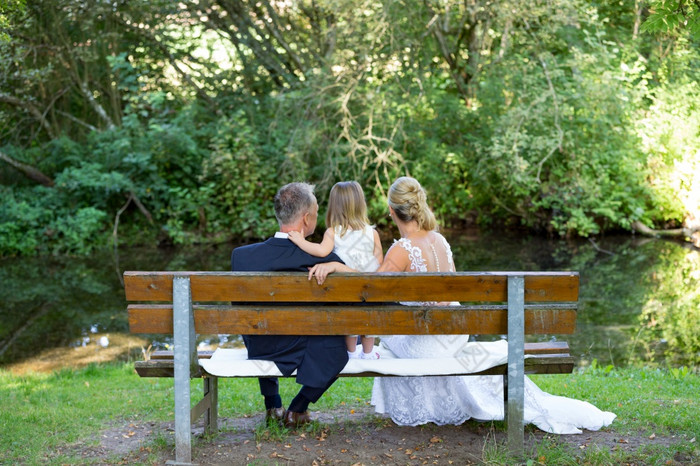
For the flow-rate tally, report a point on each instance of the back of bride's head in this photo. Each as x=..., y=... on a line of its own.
x=409, y=201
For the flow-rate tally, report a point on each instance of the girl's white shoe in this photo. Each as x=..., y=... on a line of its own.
x=372, y=355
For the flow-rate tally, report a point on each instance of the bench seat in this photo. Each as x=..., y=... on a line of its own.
x=540, y=358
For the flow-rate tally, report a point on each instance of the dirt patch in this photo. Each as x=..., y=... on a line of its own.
x=359, y=437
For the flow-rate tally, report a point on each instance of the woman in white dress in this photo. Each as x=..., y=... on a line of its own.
x=449, y=400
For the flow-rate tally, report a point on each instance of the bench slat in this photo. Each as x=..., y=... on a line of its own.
x=539, y=364
x=295, y=287
x=558, y=348
x=344, y=320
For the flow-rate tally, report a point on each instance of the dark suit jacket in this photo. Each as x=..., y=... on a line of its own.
x=317, y=359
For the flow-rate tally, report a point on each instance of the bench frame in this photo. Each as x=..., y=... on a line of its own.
x=185, y=357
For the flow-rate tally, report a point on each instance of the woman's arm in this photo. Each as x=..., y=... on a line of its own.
x=396, y=260
x=318, y=250
x=378, y=252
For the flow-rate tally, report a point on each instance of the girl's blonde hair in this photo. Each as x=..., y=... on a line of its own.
x=409, y=201
x=347, y=207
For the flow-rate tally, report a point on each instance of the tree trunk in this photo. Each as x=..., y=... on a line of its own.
x=639, y=227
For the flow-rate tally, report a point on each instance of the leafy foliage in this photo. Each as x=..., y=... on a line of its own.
x=180, y=121
x=670, y=16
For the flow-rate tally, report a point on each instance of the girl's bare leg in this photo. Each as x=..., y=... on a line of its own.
x=367, y=344
x=351, y=343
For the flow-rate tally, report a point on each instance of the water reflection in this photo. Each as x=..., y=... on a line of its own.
x=640, y=299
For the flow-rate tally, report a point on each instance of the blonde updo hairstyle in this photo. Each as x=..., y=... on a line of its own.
x=409, y=201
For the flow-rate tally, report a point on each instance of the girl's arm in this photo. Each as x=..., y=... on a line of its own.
x=317, y=250
x=378, y=253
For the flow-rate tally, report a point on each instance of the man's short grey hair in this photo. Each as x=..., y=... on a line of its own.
x=292, y=201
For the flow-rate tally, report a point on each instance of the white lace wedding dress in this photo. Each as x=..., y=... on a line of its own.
x=413, y=401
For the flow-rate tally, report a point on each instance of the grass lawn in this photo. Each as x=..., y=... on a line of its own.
x=44, y=416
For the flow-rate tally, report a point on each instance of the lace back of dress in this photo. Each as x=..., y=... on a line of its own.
x=429, y=254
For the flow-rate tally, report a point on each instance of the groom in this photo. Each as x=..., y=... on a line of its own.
x=317, y=359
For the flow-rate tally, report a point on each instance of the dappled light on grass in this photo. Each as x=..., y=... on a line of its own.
x=120, y=347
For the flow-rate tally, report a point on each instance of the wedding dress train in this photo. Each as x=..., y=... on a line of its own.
x=412, y=401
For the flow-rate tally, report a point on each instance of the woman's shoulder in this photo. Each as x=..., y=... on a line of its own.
x=403, y=244
x=436, y=236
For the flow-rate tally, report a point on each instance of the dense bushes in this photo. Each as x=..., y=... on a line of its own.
x=555, y=121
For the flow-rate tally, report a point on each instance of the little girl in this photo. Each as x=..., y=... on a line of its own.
x=351, y=237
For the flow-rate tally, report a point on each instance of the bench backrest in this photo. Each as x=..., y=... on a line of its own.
x=284, y=303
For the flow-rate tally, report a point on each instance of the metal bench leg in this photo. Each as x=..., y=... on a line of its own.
x=183, y=332
x=211, y=419
x=515, y=407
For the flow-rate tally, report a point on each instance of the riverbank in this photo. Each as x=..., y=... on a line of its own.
x=104, y=413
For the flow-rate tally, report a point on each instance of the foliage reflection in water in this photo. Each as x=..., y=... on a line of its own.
x=639, y=302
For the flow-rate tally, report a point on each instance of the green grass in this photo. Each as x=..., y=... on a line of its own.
x=44, y=416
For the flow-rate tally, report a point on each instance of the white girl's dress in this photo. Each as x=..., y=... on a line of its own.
x=413, y=401
x=356, y=248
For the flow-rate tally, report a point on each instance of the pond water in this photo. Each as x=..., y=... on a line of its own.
x=639, y=300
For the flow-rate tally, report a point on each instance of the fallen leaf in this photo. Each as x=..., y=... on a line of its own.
x=435, y=439
x=622, y=440
x=344, y=450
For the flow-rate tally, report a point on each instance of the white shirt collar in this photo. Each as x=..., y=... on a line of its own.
x=279, y=234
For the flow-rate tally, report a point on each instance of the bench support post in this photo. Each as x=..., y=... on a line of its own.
x=208, y=406
x=515, y=408
x=184, y=356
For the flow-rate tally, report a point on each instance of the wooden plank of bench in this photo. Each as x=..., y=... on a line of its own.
x=365, y=320
x=548, y=358
x=538, y=364
x=295, y=287
x=544, y=347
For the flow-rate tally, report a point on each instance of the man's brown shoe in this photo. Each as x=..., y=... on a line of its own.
x=275, y=414
x=292, y=419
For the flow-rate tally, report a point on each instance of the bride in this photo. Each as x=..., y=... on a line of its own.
x=413, y=401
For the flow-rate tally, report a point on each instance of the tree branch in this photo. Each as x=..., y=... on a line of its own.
x=29, y=107
x=639, y=227
x=30, y=172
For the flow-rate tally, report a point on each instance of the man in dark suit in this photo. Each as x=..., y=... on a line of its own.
x=317, y=359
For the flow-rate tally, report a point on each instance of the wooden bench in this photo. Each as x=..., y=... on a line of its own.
x=515, y=304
